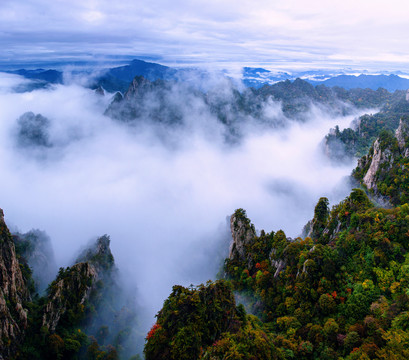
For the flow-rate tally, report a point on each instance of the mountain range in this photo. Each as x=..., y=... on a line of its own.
x=118, y=78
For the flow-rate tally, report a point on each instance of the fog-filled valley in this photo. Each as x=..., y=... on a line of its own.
x=204, y=180
x=162, y=181
x=162, y=193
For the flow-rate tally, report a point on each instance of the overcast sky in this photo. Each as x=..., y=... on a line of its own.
x=293, y=33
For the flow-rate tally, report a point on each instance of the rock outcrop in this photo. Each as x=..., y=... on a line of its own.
x=68, y=292
x=402, y=134
x=243, y=232
x=13, y=295
x=138, y=88
x=379, y=157
x=98, y=254
x=33, y=131
x=384, y=170
x=74, y=285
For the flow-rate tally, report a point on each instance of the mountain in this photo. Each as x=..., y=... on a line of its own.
x=83, y=314
x=343, y=292
x=339, y=291
x=258, y=77
x=383, y=171
x=356, y=141
x=119, y=78
x=48, y=76
x=389, y=82
x=14, y=295
x=156, y=101
x=148, y=70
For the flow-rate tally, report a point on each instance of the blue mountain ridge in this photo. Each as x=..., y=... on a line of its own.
x=119, y=78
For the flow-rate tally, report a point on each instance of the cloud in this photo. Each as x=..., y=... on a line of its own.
x=163, y=203
x=218, y=32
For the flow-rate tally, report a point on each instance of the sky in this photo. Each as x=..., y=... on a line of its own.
x=364, y=34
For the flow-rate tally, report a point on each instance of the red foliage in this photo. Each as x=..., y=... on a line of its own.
x=258, y=266
x=152, y=331
x=334, y=294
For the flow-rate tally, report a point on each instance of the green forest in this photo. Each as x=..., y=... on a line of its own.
x=341, y=291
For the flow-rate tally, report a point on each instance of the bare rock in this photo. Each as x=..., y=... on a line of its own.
x=70, y=290
x=13, y=295
x=378, y=158
x=243, y=232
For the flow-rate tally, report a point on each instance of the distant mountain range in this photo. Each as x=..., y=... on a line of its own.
x=258, y=77
x=119, y=78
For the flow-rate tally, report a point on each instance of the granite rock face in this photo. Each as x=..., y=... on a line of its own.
x=379, y=158
x=385, y=154
x=74, y=285
x=13, y=295
x=243, y=232
x=69, y=291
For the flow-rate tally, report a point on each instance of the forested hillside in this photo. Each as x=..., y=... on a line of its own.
x=82, y=313
x=356, y=140
x=340, y=291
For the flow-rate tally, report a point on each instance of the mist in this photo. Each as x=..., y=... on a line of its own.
x=163, y=203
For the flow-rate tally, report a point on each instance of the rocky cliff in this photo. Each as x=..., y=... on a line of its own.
x=379, y=157
x=84, y=304
x=245, y=244
x=73, y=286
x=13, y=295
x=385, y=169
x=243, y=232
x=402, y=135
x=68, y=294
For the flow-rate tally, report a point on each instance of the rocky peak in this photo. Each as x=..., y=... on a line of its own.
x=118, y=97
x=401, y=134
x=243, y=232
x=13, y=295
x=98, y=254
x=33, y=131
x=100, y=91
x=70, y=290
x=74, y=285
x=379, y=157
x=137, y=87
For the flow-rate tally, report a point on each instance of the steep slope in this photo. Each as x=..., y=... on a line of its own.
x=83, y=315
x=204, y=323
x=341, y=293
x=356, y=140
x=384, y=171
x=13, y=295
x=56, y=321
